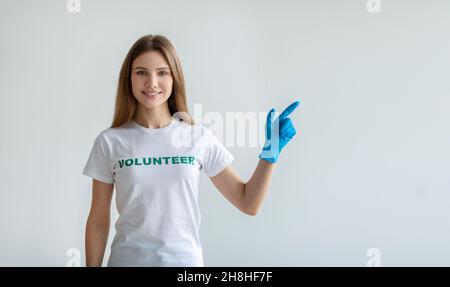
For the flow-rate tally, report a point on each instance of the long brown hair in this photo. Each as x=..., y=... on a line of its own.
x=126, y=103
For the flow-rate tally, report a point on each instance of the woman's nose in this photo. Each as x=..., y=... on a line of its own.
x=152, y=81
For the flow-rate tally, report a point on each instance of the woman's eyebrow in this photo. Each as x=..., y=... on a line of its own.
x=143, y=68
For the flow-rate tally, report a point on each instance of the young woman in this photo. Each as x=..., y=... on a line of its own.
x=154, y=158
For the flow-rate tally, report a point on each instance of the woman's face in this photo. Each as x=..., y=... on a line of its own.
x=151, y=79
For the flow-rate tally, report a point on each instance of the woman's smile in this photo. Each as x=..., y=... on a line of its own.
x=151, y=95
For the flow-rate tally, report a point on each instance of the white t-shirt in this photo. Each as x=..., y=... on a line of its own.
x=156, y=175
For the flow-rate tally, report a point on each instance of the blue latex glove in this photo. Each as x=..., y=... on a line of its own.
x=278, y=133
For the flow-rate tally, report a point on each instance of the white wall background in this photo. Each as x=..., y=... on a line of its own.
x=368, y=169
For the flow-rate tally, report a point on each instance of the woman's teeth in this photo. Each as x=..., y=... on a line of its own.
x=151, y=94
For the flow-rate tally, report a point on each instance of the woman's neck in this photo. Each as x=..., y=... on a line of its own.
x=153, y=118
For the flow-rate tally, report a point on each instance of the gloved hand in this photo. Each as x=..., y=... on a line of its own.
x=278, y=133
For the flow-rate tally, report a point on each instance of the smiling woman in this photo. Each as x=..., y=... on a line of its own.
x=156, y=172
x=156, y=177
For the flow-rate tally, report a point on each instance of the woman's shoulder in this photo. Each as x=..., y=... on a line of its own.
x=114, y=132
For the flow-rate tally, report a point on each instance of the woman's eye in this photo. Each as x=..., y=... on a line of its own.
x=144, y=73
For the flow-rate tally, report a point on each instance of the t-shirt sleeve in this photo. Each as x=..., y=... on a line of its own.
x=217, y=157
x=98, y=165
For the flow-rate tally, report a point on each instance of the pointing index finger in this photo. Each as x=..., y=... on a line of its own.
x=289, y=110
